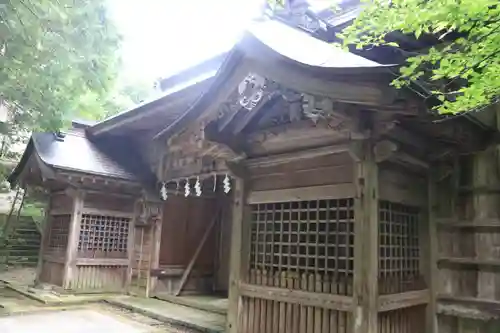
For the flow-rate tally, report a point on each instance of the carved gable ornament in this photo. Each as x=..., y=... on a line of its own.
x=251, y=90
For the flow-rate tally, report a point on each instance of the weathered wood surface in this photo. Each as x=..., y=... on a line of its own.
x=366, y=249
x=110, y=277
x=237, y=253
x=315, y=298
x=403, y=300
x=52, y=273
x=74, y=232
x=401, y=186
x=197, y=252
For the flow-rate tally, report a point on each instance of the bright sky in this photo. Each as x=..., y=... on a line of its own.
x=162, y=37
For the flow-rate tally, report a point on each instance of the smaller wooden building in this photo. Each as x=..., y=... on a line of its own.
x=92, y=199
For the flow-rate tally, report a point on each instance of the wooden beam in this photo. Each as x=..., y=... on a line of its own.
x=403, y=300
x=64, y=211
x=336, y=191
x=487, y=223
x=54, y=258
x=107, y=212
x=294, y=156
x=464, y=262
x=101, y=262
x=366, y=216
x=468, y=307
x=218, y=92
x=74, y=232
x=341, y=91
x=397, y=132
x=300, y=297
x=387, y=150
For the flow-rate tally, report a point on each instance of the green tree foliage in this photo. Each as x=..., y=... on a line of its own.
x=58, y=60
x=463, y=72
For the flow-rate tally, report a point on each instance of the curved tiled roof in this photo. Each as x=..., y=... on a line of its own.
x=77, y=153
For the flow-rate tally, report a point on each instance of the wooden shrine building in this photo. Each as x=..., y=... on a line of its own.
x=290, y=176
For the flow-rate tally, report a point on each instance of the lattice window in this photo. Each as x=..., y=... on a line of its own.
x=103, y=236
x=57, y=236
x=399, y=246
x=302, y=238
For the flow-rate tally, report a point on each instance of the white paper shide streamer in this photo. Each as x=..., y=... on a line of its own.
x=163, y=192
x=187, y=190
x=227, y=184
x=197, y=187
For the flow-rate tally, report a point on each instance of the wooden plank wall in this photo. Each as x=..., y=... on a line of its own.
x=468, y=260
x=407, y=320
x=96, y=278
x=319, y=171
x=109, y=202
x=52, y=273
x=269, y=316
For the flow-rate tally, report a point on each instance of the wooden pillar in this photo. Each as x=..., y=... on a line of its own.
x=74, y=231
x=236, y=264
x=430, y=252
x=155, y=243
x=366, y=216
x=44, y=240
x=131, y=245
x=485, y=205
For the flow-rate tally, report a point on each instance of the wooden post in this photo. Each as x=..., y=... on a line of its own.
x=485, y=173
x=430, y=252
x=156, y=244
x=44, y=240
x=237, y=253
x=366, y=215
x=131, y=245
x=72, y=247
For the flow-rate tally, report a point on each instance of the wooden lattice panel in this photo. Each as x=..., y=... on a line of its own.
x=399, y=248
x=303, y=240
x=57, y=236
x=103, y=236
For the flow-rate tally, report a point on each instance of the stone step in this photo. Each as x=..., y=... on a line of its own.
x=176, y=315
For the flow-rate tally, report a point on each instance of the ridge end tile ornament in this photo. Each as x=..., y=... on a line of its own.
x=251, y=90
